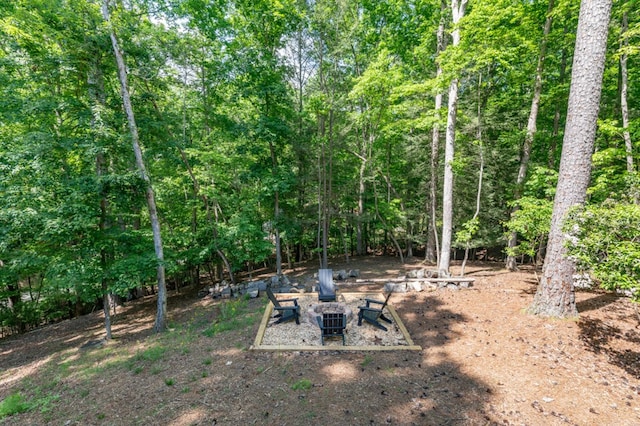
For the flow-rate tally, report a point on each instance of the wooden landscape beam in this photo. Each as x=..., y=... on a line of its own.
x=432, y=280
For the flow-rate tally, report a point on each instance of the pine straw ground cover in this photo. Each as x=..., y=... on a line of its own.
x=484, y=361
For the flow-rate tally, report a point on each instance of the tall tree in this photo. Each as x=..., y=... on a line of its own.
x=161, y=312
x=432, y=245
x=555, y=296
x=457, y=8
x=531, y=130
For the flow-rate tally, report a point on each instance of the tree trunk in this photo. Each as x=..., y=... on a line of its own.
x=276, y=213
x=624, y=88
x=360, y=249
x=391, y=190
x=551, y=162
x=161, y=313
x=555, y=296
x=432, y=246
x=345, y=245
x=95, y=82
x=276, y=205
x=327, y=172
x=480, y=173
x=15, y=299
x=531, y=132
x=457, y=9
x=322, y=194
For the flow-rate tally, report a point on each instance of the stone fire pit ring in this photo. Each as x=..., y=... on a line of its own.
x=316, y=310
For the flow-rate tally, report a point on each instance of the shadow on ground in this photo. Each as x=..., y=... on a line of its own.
x=620, y=346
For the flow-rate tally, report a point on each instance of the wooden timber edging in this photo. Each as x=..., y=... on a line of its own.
x=258, y=346
x=403, y=280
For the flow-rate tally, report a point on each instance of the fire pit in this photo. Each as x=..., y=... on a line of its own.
x=315, y=311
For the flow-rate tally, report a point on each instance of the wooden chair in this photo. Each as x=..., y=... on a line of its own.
x=284, y=312
x=373, y=315
x=332, y=325
x=326, y=287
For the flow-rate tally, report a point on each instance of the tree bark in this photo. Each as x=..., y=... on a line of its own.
x=96, y=94
x=458, y=9
x=360, y=244
x=531, y=132
x=276, y=202
x=161, y=312
x=555, y=296
x=432, y=246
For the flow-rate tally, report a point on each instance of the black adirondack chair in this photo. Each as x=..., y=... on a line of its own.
x=332, y=325
x=326, y=287
x=373, y=315
x=284, y=312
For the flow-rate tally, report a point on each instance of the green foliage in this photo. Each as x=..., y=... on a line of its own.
x=13, y=404
x=532, y=221
x=44, y=401
x=233, y=316
x=152, y=354
x=608, y=180
x=541, y=183
x=606, y=243
x=368, y=359
x=239, y=103
x=302, y=384
x=232, y=308
x=469, y=229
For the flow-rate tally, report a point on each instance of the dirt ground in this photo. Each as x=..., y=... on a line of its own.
x=484, y=362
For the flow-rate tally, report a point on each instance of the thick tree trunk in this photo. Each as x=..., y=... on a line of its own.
x=361, y=242
x=555, y=296
x=531, y=132
x=458, y=9
x=161, y=313
x=447, y=182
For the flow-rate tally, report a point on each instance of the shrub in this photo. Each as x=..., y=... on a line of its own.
x=302, y=384
x=13, y=404
x=532, y=222
x=605, y=241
